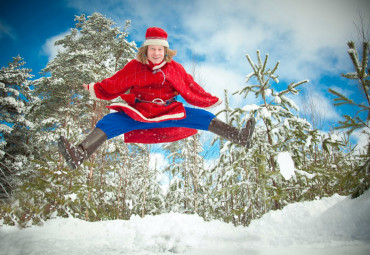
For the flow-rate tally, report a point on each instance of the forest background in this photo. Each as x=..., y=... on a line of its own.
x=121, y=179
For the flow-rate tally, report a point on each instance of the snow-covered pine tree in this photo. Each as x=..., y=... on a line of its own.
x=333, y=167
x=175, y=199
x=188, y=177
x=121, y=178
x=143, y=194
x=198, y=175
x=360, y=121
x=93, y=50
x=280, y=131
x=230, y=191
x=15, y=127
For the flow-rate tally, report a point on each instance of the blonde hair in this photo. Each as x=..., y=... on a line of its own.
x=142, y=58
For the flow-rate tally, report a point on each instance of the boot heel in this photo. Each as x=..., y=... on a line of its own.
x=73, y=156
x=76, y=155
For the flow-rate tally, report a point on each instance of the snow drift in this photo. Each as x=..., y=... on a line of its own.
x=336, y=225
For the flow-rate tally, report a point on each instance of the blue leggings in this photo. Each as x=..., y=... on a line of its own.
x=118, y=123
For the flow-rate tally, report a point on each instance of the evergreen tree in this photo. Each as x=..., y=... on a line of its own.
x=229, y=176
x=283, y=130
x=247, y=182
x=360, y=121
x=15, y=127
x=188, y=177
x=93, y=50
x=140, y=192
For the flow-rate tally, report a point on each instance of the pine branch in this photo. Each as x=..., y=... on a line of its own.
x=365, y=57
x=4, y=189
x=264, y=63
x=364, y=76
x=352, y=52
x=275, y=78
x=251, y=63
x=259, y=58
x=360, y=74
x=291, y=88
x=351, y=123
x=341, y=100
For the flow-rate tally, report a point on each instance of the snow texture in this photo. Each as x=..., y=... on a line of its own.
x=336, y=225
x=286, y=164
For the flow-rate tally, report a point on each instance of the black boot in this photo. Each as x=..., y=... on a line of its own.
x=75, y=155
x=241, y=137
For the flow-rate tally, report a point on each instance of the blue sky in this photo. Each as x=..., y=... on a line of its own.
x=308, y=37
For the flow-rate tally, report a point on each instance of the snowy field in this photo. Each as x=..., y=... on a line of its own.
x=336, y=225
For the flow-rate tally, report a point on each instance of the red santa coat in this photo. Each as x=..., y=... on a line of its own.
x=144, y=88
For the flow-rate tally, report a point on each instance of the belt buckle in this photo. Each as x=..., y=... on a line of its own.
x=159, y=101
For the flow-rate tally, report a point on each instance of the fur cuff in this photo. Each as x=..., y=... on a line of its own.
x=215, y=104
x=92, y=91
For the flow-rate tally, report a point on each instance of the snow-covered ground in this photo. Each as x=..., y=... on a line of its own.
x=336, y=225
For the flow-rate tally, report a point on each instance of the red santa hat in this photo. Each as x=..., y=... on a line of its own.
x=156, y=36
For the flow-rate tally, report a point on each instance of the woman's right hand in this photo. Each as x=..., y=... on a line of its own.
x=86, y=86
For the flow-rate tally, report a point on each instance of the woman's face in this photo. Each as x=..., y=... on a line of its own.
x=155, y=53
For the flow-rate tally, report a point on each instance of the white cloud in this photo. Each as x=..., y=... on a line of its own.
x=50, y=49
x=345, y=91
x=314, y=104
x=216, y=78
x=6, y=31
x=308, y=37
x=361, y=137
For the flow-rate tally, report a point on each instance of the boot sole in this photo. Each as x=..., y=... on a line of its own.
x=62, y=149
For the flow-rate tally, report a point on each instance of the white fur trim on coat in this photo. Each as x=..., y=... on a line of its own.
x=92, y=91
x=214, y=105
x=159, y=66
x=160, y=42
x=141, y=117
